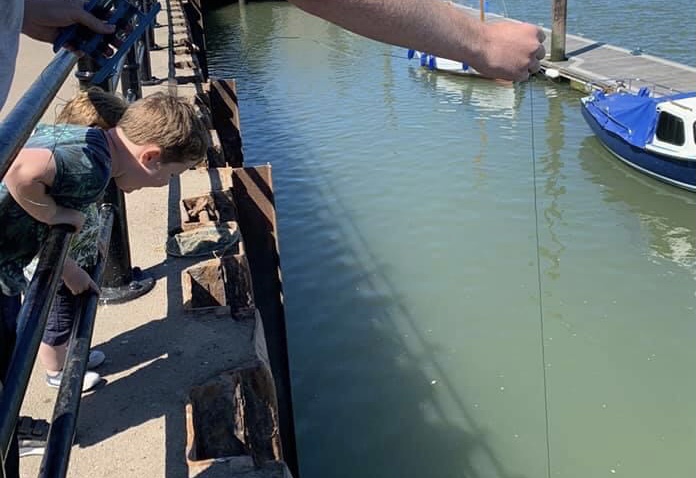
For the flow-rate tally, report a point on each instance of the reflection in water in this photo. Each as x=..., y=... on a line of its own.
x=666, y=212
x=496, y=104
x=492, y=98
x=552, y=166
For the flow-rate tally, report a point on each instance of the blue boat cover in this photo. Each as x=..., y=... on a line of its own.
x=632, y=116
x=628, y=115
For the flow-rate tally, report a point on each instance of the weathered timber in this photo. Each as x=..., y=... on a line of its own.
x=220, y=282
x=558, y=31
x=234, y=414
x=253, y=194
x=225, y=112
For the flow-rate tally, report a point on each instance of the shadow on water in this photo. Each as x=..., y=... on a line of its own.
x=385, y=376
x=552, y=179
x=364, y=404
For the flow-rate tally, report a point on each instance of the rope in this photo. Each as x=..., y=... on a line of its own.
x=541, y=303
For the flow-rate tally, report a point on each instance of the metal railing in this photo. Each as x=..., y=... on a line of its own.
x=32, y=319
x=14, y=132
x=62, y=432
x=17, y=127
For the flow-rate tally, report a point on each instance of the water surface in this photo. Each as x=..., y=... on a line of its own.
x=425, y=337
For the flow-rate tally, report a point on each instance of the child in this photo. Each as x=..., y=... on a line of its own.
x=64, y=169
x=99, y=109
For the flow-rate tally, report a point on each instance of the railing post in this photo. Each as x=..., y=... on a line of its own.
x=130, y=76
x=148, y=42
x=121, y=282
x=151, y=29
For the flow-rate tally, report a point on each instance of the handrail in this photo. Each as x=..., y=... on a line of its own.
x=32, y=321
x=62, y=432
x=17, y=127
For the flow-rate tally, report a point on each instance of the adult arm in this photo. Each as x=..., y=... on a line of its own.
x=43, y=18
x=28, y=180
x=505, y=50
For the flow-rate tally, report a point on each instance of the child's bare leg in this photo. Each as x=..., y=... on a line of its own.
x=52, y=357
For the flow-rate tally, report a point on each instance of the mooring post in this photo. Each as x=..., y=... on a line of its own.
x=558, y=30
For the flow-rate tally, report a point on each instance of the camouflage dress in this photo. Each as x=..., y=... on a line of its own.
x=83, y=169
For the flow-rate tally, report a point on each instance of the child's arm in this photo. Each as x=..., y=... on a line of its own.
x=76, y=279
x=27, y=181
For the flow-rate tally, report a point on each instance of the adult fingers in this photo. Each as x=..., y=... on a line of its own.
x=534, y=66
x=540, y=53
x=93, y=23
x=541, y=36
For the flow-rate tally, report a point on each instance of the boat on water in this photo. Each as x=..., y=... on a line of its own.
x=437, y=63
x=653, y=134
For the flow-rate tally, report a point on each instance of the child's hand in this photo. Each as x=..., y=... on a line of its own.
x=76, y=279
x=72, y=217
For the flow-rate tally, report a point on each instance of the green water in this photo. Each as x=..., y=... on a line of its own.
x=420, y=344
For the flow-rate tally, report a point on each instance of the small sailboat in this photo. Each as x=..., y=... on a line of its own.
x=653, y=134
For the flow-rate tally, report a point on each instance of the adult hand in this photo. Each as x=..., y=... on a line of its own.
x=43, y=18
x=511, y=50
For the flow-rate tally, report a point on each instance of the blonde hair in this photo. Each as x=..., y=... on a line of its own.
x=168, y=122
x=93, y=107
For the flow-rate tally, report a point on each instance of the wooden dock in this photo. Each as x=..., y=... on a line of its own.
x=591, y=63
x=596, y=64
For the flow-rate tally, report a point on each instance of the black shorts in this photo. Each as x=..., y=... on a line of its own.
x=61, y=317
x=9, y=310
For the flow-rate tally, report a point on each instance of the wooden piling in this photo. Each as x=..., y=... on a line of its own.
x=558, y=31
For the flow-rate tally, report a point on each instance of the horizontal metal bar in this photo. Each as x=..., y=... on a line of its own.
x=62, y=433
x=32, y=321
x=16, y=128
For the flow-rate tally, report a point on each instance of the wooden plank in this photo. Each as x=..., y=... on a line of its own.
x=225, y=111
x=253, y=195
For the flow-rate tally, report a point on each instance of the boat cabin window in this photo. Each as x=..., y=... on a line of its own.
x=670, y=129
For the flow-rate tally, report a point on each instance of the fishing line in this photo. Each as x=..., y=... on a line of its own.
x=538, y=261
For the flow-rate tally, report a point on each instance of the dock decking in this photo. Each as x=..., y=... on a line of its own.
x=591, y=62
x=594, y=63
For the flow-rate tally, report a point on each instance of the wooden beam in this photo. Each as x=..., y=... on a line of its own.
x=558, y=30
